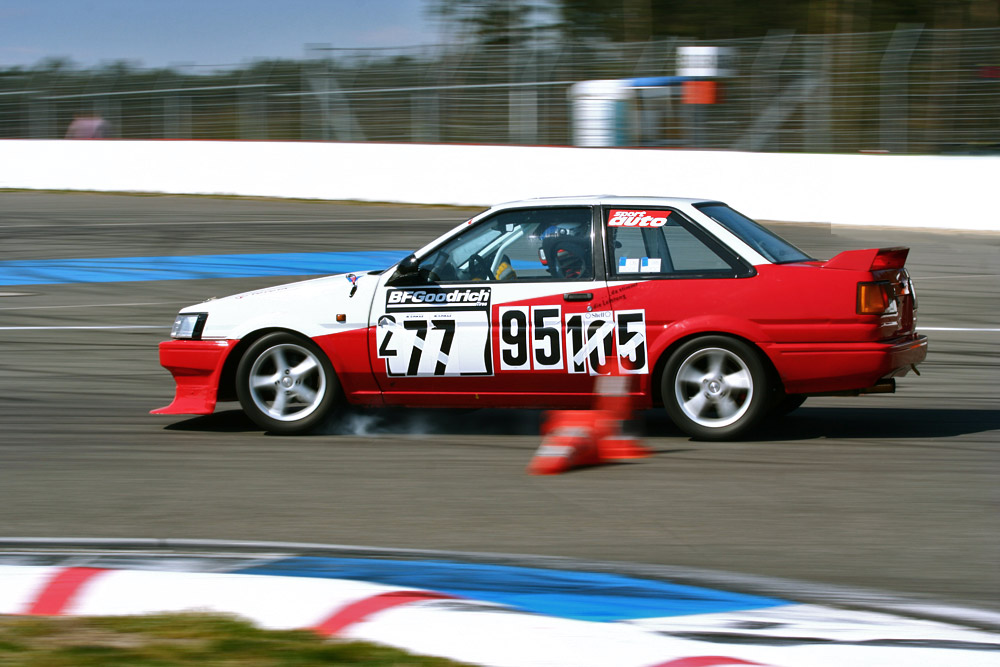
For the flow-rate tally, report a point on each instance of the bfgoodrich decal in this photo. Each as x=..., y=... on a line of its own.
x=439, y=297
x=436, y=332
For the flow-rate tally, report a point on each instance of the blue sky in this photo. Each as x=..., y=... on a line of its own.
x=156, y=33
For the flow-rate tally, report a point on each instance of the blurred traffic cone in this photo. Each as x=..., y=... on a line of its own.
x=623, y=447
x=569, y=442
x=615, y=402
x=574, y=438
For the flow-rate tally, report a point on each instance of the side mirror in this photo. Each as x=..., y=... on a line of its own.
x=404, y=270
x=408, y=266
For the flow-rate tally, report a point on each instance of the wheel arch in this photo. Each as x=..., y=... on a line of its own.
x=656, y=379
x=227, y=379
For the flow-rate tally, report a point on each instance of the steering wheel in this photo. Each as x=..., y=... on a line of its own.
x=443, y=269
x=479, y=269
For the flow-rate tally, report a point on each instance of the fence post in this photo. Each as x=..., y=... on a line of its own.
x=252, y=109
x=40, y=124
x=819, y=107
x=765, y=75
x=522, y=101
x=425, y=116
x=893, y=77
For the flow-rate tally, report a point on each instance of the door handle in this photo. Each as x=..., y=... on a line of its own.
x=578, y=296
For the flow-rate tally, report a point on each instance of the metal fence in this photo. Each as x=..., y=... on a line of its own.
x=908, y=91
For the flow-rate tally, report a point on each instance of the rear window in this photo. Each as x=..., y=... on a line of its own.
x=774, y=248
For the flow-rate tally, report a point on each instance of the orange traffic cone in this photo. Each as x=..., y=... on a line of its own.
x=622, y=447
x=615, y=401
x=569, y=442
x=574, y=438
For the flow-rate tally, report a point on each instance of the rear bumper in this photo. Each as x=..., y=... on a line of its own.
x=810, y=368
x=196, y=366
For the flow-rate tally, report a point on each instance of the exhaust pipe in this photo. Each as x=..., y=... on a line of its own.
x=884, y=386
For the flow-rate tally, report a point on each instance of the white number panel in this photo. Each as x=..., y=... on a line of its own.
x=515, y=354
x=435, y=333
x=630, y=327
x=445, y=332
x=533, y=339
x=592, y=340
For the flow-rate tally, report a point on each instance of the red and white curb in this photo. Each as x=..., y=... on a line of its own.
x=430, y=623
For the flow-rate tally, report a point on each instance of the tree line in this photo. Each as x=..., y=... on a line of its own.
x=505, y=22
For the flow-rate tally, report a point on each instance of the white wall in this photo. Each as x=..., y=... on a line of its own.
x=907, y=191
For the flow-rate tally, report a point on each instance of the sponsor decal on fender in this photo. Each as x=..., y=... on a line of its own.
x=435, y=297
x=638, y=218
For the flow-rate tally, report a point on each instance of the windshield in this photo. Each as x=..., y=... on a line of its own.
x=774, y=248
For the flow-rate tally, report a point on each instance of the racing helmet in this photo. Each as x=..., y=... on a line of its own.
x=566, y=250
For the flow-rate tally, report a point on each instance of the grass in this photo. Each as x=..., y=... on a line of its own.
x=169, y=640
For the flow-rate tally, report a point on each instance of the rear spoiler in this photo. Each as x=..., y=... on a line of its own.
x=872, y=259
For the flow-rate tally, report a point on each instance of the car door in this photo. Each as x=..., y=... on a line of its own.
x=666, y=277
x=495, y=315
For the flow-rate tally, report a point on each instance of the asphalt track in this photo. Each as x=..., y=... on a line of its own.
x=899, y=492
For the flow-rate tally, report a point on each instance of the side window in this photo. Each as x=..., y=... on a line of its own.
x=648, y=243
x=518, y=245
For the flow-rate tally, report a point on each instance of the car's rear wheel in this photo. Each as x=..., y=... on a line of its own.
x=286, y=384
x=715, y=387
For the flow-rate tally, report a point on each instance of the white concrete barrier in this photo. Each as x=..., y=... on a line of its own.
x=947, y=192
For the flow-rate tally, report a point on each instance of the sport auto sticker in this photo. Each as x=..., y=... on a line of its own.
x=618, y=218
x=436, y=332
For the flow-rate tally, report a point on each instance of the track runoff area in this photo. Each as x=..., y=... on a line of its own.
x=881, y=493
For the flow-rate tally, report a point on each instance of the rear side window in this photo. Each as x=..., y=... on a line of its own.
x=774, y=248
x=658, y=243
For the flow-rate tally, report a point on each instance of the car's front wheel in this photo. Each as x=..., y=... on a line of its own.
x=286, y=384
x=715, y=387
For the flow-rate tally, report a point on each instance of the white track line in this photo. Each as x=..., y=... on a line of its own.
x=159, y=326
x=920, y=279
x=96, y=305
x=69, y=328
x=919, y=329
x=175, y=223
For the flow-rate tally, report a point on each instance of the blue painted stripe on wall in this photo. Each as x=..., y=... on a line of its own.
x=578, y=595
x=122, y=269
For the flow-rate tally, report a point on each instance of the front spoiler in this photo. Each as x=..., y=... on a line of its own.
x=196, y=366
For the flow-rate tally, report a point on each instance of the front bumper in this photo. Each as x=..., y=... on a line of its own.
x=811, y=368
x=196, y=366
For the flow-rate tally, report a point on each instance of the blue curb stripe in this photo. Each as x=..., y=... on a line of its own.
x=585, y=596
x=122, y=269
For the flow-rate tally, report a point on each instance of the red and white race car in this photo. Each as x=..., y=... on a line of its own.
x=714, y=317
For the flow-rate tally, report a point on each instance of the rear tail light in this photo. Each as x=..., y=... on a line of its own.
x=874, y=298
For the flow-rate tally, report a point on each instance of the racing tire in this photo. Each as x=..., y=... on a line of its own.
x=715, y=388
x=787, y=404
x=286, y=384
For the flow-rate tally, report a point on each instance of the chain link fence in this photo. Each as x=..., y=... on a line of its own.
x=908, y=91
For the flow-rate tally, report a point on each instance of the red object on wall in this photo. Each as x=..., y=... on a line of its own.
x=700, y=92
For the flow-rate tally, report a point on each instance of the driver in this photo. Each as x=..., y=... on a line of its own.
x=566, y=251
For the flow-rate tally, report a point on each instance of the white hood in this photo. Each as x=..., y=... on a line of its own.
x=309, y=307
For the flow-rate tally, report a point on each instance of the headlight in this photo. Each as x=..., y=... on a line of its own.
x=189, y=325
